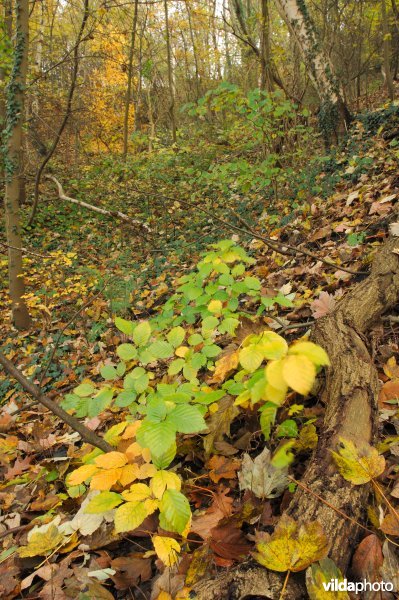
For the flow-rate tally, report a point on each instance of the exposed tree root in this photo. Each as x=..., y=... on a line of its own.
x=350, y=396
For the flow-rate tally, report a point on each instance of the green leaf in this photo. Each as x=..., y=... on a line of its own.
x=195, y=339
x=176, y=336
x=162, y=461
x=108, y=372
x=103, y=502
x=158, y=437
x=210, y=323
x=125, y=398
x=211, y=351
x=142, y=333
x=160, y=349
x=124, y=326
x=175, y=508
x=129, y=516
x=176, y=366
x=229, y=325
x=84, y=389
x=100, y=402
x=186, y=419
x=141, y=384
x=287, y=428
x=252, y=283
x=156, y=410
x=127, y=351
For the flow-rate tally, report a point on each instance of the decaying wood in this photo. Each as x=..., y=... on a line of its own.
x=109, y=213
x=350, y=395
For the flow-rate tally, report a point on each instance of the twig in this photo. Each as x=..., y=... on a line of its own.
x=247, y=230
x=109, y=213
x=25, y=250
x=16, y=530
x=86, y=434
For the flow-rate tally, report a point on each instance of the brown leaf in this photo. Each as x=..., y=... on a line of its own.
x=229, y=542
x=368, y=559
x=220, y=508
x=222, y=468
x=389, y=391
x=18, y=468
x=131, y=569
x=390, y=524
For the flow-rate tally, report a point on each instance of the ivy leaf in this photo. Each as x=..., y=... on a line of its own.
x=141, y=333
x=129, y=516
x=127, y=351
x=103, y=502
x=292, y=546
x=358, y=465
x=167, y=549
x=186, y=419
x=42, y=541
x=251, y=357
x=176, y=510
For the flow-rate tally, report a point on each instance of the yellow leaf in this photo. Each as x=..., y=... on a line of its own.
x=251, y=357
x=274, y=375
x=272, y=345
x=80, y=475
x=128, y=474
x=358, y=465
x=316, y=354
x=111, y=460
x=224, y=366
x=131, y=430
x=151, y=505
x=299, y=373
x=129, y=516
x=104, y=480
x=215, y=306
x=164, y=480
x=133, y=450
x=164, y=596
x=181, y=351
x=41, y=543
x=146, y=471
x=137, y=492
x=167, y=549
x=274, y=395
x=292, y=546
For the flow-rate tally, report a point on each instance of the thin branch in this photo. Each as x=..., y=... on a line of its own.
x=86, y=434
x=25, y=250
x=284, y=249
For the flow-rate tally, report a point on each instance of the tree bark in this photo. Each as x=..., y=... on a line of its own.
x=13, y=166
x=386, y=45
x=266, y=77
x=334, y=115
x=350, y=395
x=129, y=81
x=172, y=112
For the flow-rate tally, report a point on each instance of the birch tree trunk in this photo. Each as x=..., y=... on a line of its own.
x=334, y=115
x=13, y=164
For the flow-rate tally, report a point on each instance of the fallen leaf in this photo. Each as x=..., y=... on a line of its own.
x=261, y=477
x=367, y=559
x=321, y=573
x=222, y=468
x=358, y=465
x=293, y=546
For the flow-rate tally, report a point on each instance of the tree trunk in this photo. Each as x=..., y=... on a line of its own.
x=334, y=115
x=386, y=44
x=172, y=112
x=13, y=166
x=266, y=75
x=129, y=81
x=350, y=396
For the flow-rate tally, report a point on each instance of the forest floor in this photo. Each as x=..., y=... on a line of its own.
x=83, y=269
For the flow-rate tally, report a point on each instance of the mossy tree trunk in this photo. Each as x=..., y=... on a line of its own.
x=13, y=163
x=334, y=115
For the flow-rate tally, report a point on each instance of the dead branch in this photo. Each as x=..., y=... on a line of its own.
x=102, y=211
x=86, y=434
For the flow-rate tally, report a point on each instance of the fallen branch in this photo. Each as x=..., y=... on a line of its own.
x=102, y=211
x=86, y=434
